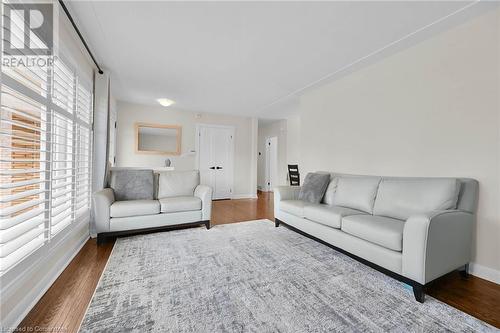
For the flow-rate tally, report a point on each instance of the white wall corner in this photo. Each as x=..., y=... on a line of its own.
x=254, y=155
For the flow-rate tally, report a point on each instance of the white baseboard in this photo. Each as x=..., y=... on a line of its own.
x=244, y=196
x=484, y=272
x=31, y=297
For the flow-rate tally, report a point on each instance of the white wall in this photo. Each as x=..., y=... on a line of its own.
x=430, y=110
x=128, y=114
x=254, y=153
x=293, y=140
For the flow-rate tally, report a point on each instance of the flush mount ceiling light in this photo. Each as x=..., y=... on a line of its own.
x=165, y=101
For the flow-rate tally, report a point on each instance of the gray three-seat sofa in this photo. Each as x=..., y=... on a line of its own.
x=414, y=229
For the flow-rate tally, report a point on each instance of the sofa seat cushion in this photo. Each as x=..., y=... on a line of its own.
x=328, y=215
x=294, y=207
x=180, y=204
x=383, y=231
x=134, y=208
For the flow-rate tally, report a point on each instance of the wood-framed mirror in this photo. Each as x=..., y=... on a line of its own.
x=158, y=139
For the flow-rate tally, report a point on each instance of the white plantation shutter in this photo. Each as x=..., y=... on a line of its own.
x=45, y=151
x=83, y=154
x=62, y=180
x=63, y=86
x=33, y=77
x=24, y=176
x=84, y=103
x=83, y=174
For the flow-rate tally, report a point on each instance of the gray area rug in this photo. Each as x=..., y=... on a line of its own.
x=253, y=277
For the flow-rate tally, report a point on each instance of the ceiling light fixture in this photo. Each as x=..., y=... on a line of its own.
x=165, y=101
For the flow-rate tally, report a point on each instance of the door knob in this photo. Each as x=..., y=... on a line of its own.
x=218, y=168
x=212, y=168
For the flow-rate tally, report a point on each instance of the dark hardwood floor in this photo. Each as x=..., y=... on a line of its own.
x=63, y=306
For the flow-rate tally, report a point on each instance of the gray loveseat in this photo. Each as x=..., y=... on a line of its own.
x=177, y=199
x=414, y=229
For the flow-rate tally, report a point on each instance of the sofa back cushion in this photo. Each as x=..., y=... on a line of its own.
x=357, y=192
x=401, y=198
x=330, y=190
x=156, y=180
x=177, y=183
x=132, y=184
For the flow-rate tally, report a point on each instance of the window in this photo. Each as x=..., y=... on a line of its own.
x=45, y=151
x=24, y=178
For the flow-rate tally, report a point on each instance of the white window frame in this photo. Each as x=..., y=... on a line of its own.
x=78, y=216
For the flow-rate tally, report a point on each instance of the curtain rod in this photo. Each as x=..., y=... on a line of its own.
x=80, y=35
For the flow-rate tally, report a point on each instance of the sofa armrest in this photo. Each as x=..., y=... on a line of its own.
x=436, y=243
x=284, y=193
x=103, y=200
x=204, y=192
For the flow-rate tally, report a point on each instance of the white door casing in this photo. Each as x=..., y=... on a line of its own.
x=215, y=158
x=271, y=163
x=204, y=156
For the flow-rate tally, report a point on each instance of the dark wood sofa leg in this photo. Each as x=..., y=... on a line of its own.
x=465, y=271
x=276, y=222
x=207, y=224
x=101, y=239
x=419, y=292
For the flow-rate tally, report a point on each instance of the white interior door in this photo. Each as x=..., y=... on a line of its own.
x=215, y=158
x=271, y=163
x=221, y=148
x=204, y=151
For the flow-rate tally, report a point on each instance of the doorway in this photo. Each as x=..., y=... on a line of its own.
x=271, y=163
x=215, y=158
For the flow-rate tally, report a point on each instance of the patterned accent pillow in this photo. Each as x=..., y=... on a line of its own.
x=314, y=187
x=132, y=184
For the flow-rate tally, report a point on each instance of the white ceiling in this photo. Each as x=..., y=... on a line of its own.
x=239, y=57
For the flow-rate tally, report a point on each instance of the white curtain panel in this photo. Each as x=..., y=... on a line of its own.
x=101, y=134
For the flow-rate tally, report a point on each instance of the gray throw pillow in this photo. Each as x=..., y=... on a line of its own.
x=314, y=187
x=132, y=184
